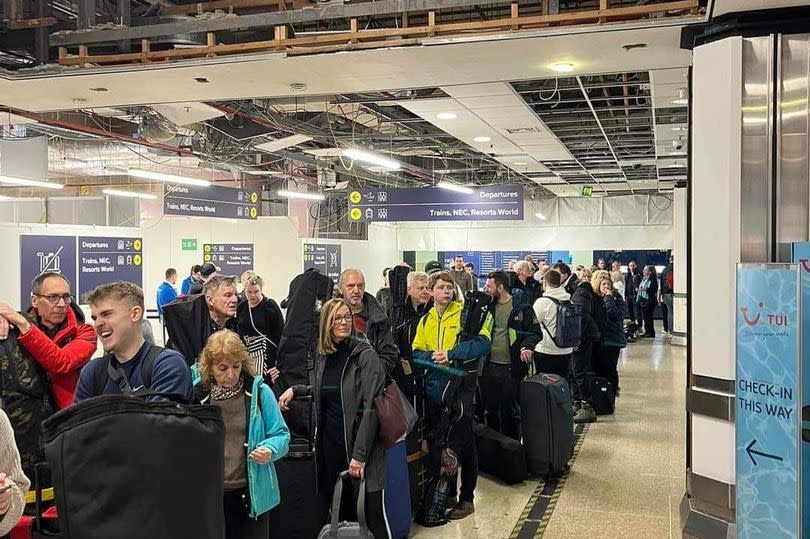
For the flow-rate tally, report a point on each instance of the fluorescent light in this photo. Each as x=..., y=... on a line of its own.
x=520, y=164
x=562, y=67
x=30, y=183
x=447, y=116
x=264, y=172
x=455, y=187
x=4, y=198
x=129, y=194
x=540, y=216
x=294, y=194
x=371, y=158
x=482, y=139
x=163, y=177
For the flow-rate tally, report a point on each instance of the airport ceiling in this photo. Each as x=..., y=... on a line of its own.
x=618, y=132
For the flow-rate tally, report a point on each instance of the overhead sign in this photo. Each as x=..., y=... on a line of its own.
x=494, y=203
x=40, y=254
x=211, y=201
x=768, y=412
x=326, y=258
x=188, y=244
x=230, y=258
x=106, y=260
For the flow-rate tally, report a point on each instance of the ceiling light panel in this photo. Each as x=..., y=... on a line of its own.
x=280, y=144
x=187, y=113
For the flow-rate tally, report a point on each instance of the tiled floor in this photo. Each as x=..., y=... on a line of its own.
x=628, y=479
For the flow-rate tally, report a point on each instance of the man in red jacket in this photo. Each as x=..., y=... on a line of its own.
x=53, y=334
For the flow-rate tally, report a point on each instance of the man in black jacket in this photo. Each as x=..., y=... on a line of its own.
x=370, y=321
x=581, y=359
x=525, y=289
x=631, y=281
x=569, y=280
x=507, y=365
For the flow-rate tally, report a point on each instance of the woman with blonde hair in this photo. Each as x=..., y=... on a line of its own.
x=348, y=375
x=255, y=434
x=613, y=339
x=581, y=359
x=260, y=325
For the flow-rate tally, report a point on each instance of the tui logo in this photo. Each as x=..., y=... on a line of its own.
x=751, y=322
x=770, y=318
x=805, y=264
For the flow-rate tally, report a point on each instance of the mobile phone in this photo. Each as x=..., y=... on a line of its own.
x=5, y=488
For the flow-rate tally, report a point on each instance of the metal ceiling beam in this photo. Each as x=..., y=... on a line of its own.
x=259, y=20
x=596, y=117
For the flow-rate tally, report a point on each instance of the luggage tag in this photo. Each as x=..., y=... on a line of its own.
x=406, y=367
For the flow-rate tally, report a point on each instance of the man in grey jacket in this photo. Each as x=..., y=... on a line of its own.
x=461, y=277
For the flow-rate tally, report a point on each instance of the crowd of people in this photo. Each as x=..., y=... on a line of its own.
x=225, y=354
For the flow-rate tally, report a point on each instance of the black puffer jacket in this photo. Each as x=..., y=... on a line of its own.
x=584, y=297
x=616, y=308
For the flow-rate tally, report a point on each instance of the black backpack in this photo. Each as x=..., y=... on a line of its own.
x=109, y=368
x=568, y=333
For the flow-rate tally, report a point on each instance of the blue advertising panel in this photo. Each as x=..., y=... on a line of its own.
x=492, y=203
x=801, y=256
x=230, y=258
x=767, y=401
x=324, y=257
x=39, y=254
x=211, y=201
x=106, y=260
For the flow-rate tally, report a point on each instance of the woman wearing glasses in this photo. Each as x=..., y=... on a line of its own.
x=349, y=374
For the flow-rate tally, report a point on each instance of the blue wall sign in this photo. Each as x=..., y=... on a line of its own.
x=39, y=254
x=211, y=201
x=324, y=257
x=106, y=260
x=768, y=418
x=230, y=258
x=495, y=203
x=801, y=256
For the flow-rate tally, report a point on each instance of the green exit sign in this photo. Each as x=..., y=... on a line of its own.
x=188, y=244
x=587, y=190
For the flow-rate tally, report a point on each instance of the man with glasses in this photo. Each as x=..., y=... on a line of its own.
x=53, y=332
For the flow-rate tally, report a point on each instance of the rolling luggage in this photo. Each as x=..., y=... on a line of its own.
x=296, y=516
x=603, y=396
x=548, y=423
x=397, y=488
x=43, y=524
x=346, y=530
x=499, y=455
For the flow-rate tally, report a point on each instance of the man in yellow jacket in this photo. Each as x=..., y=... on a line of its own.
x=449, y=360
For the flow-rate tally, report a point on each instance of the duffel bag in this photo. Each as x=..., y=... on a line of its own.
x=127, y=468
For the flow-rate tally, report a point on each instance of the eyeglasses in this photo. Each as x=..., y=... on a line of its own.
x=342, y=320
x=54, y=299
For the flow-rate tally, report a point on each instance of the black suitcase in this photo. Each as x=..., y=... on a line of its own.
x=548, y=426
x=603, y=396
x=297, y=515
x=499, y=455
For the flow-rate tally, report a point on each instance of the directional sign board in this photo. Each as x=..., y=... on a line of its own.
x=211, y=201
x=768, y=417
x=326, y=258
x=39, y=254
x=106, y=260
x=494, y=203
x=230, y=258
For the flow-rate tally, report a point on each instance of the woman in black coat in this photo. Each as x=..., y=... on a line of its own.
x=348, y=376
x=260, y=326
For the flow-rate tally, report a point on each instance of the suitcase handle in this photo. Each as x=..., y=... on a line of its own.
x=361, y=506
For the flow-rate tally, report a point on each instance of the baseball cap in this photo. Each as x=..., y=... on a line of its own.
x=432, y=267
x=208, y=269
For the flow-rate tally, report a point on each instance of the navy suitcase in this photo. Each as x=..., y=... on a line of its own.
x=603, y=396
x=397, y=492
x=548, y=423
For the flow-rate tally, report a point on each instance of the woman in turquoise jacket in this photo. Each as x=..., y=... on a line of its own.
x=255, y=434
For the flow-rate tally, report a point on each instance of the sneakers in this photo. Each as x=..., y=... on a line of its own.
x=461, y=510
x=585, y=414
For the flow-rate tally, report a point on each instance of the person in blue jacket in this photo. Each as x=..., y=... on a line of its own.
x=193, y=277
x=255, y=434
x=166, y=292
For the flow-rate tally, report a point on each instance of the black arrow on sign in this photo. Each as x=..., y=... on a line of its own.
x=751, y=452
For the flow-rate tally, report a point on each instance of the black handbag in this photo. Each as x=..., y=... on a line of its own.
x=127, y=468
